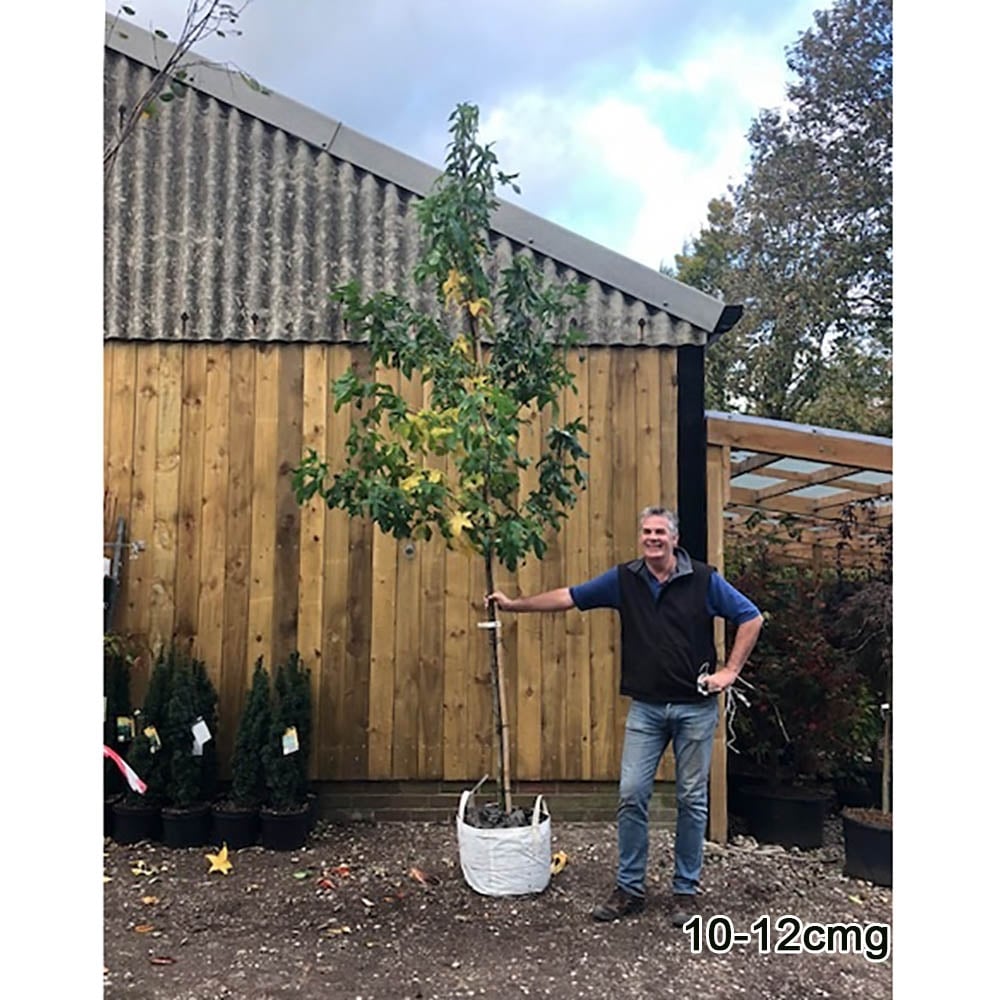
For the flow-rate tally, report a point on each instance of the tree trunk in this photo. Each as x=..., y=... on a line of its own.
x=499, y=694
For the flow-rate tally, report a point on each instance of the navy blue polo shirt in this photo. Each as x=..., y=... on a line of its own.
x=723, y=600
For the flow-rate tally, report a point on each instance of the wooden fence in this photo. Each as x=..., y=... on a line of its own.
x=199, y=440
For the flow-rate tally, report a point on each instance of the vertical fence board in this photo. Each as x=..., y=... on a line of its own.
x=235, y=675
x=166, y=484
x=527, y=761
x=139, y=579
x=311, y=582
x=355, y=687
x=457, y=646
x=288, y=454
x=668, y=427
x=381, y=705
x=187, y=574
x=407, y=633
x=119, y=444
x=577, y=625
x=212, y=552
x=260, y=618
x=603, y=624
x=430, y=667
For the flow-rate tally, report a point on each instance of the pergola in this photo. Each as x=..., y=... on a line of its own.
x=804, y=483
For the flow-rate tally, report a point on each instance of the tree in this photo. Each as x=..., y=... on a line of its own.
x=170, y=82
x=455, y=466
x=805, y=241
x=286, y=771
x=249, y=786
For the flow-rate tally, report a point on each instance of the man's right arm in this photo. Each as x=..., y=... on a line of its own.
x=551, y=600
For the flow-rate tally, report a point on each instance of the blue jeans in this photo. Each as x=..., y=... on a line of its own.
x=648, y=730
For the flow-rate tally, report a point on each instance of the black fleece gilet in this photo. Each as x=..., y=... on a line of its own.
x=665, y=641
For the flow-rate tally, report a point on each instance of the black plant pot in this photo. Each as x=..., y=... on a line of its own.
x=236, y=828
x=189, y=827
x=867, y=847
x=284, y=831
x=109, y=816
x=792, y=817
x=130, y=824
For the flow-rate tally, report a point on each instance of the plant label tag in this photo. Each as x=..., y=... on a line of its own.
x=201, y=732
x=290, y=741
x=154, y=738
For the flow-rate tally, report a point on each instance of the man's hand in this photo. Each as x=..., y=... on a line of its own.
x=721, y=679
x=501, y=600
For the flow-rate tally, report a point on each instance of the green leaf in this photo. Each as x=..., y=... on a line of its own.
x=166, y=97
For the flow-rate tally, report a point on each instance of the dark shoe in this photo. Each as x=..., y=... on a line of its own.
x=619, y=904
x=685, y=907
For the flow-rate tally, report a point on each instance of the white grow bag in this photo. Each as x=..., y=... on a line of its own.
x=506, y=861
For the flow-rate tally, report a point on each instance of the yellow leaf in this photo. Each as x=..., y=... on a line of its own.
x=461, y=344
x=220, y=862
x=412, y=481
x=457, y=522
x=559, y=862
x=434, y=475
x=143, y=928
x=452, y=288
x=479, y=306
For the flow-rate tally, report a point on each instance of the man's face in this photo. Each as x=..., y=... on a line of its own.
x=655, y=537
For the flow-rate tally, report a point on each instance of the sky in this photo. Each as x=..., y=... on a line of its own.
x=622, y=118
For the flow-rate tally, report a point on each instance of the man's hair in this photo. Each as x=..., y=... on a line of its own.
x=660, y=511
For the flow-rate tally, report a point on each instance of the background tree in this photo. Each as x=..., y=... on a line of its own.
x=456, y=464
x=805, y=241
x=202, y=18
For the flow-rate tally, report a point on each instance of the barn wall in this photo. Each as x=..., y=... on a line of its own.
x=199, y=441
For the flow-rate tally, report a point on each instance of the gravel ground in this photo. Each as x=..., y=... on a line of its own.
x=372, y=911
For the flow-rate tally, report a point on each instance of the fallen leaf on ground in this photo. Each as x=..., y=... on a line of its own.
x=324, y=883
x=161, y=960
x=220, y=862
x=342, y=870
x=300, y=874
x=559, y=862
x=150, y=900
x=334, y=931
x=422, y=877
x=143, y=928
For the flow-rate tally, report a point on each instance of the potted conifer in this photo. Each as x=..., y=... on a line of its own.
x=285, y=818
x=119, y=721
x=489, y=345
x=188, y=740
x=236, y=817
x=137, y=816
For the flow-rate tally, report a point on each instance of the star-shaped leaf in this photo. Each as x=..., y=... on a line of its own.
x=220, y=862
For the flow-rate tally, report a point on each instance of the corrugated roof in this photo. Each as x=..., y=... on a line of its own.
x=233, y=212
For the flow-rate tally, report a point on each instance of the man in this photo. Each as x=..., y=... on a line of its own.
x=666, y=602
